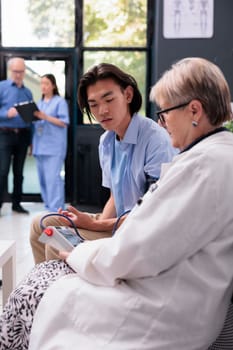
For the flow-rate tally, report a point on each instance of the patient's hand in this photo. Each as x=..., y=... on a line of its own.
x=80, y=219
x=71, y=213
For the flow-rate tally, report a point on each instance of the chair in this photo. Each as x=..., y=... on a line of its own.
x=225, y=339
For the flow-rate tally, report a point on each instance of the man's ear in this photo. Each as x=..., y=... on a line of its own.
x=129, y=93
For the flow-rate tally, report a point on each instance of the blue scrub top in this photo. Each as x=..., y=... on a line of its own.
x=126, y=163
x=50, y=139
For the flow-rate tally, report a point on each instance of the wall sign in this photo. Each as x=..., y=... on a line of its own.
x=188, y=18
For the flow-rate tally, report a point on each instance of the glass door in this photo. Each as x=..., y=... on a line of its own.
x=34, y=70
x=38, y=63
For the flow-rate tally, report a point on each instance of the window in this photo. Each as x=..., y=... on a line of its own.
x=114, y=23
x=115, y=31
x=66, y=38
x=36, y=23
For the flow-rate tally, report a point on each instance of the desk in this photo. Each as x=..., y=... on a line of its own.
x=8, y=265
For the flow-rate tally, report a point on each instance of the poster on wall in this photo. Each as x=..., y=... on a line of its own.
x=188, y=19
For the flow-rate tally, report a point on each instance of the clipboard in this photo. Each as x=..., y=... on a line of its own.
x=26, y=110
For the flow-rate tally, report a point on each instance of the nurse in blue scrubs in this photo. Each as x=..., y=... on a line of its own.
x=50, y=143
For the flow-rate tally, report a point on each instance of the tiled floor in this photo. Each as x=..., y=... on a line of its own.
x=16, y=226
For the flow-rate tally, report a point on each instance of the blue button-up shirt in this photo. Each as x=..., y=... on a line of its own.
x=11, y=94
x=126, y=163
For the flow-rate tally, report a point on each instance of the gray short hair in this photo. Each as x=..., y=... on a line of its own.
x=196, y=78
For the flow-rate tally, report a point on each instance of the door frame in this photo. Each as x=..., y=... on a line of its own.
x=69, y=56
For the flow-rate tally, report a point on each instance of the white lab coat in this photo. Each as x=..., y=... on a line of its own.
x=164, y=281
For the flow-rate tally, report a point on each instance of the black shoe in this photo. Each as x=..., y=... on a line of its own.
x=19, y=209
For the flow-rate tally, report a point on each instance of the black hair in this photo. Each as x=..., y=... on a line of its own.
x=52, y=78
x=105, y=71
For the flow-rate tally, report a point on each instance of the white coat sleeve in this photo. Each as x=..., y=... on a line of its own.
x=171, y=224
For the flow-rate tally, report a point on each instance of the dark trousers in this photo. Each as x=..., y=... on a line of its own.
x=13, y=149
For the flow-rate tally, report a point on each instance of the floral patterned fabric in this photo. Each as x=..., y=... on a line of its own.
x=18, y=313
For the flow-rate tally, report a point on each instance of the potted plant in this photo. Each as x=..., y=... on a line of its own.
x=229, y=125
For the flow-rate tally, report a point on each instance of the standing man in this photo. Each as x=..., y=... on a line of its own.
x=15, y=134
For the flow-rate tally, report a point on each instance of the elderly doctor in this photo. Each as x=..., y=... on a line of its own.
x=164, y=280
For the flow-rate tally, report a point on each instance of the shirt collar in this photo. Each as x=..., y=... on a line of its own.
x=215, y=131
x=131, y=134
x=13, y=84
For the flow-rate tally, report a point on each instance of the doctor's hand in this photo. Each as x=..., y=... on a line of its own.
x=40, y=115
x=63, y=255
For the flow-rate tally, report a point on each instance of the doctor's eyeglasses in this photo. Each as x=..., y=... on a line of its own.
x=160, y=114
